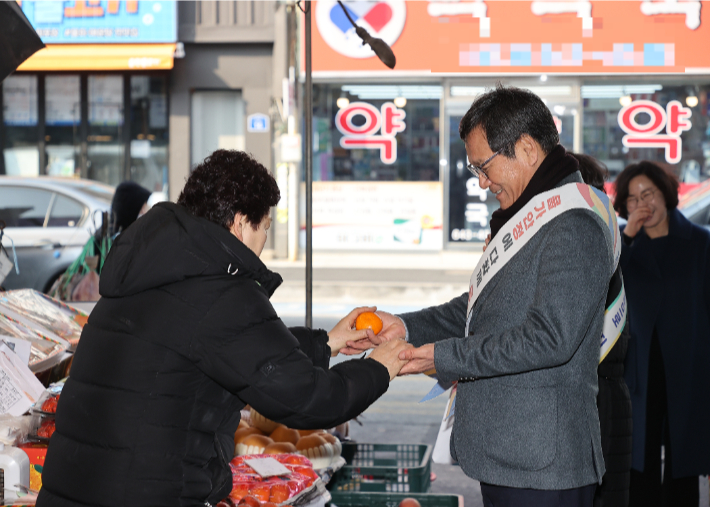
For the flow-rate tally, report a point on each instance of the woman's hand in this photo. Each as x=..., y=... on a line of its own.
x=488, y=240
x=636, y=220
x=388, y=354
x=392, y=329
x=344, y=333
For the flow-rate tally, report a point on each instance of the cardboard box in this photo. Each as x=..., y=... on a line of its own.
x=37, y=452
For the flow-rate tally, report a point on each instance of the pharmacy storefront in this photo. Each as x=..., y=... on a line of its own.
x=94, y=103
x=625, y=81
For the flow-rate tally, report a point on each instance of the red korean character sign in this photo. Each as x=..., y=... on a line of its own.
x=389, y=121
x=675, y=118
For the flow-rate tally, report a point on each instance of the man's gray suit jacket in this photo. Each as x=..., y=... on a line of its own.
x=526, y=412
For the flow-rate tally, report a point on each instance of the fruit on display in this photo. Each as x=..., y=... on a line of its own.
x=305, y=433
x=253, y=444
x=280, y=448
x=249, y=501
x=410, y=502
x=334, y=441
x=50, y=404
x=46, y=429
x=368, y=320
x=284, y=434
x=249, y=487
x=242, y=433
x=317, y=449
x=322, y=448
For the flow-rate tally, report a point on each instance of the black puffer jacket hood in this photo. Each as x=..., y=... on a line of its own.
x=172, y=245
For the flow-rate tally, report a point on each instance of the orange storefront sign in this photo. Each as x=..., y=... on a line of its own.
x=101, y=57
x=601, y=37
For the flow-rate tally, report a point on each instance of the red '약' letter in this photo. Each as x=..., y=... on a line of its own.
x=678, y=118
x=672, y=144
x=392, y=119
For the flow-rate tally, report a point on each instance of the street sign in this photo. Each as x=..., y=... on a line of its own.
x=257, y=122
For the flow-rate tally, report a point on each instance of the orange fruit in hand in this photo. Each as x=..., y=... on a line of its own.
x=368, y=320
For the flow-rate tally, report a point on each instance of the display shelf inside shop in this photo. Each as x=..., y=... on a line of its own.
x=352, y=499
x=384, y=468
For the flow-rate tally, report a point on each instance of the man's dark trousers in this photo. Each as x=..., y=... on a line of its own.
x=502, y=496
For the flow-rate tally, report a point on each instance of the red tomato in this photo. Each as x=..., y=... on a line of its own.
x=239, y=491
x=50, y=404
x=410, y=502
x=296, y=459
x=279, y=493
x=250, y=501
x=261, y=492
x=47, y=429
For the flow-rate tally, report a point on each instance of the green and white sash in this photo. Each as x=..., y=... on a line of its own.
x=511, y=238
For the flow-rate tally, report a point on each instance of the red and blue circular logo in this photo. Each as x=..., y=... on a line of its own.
x=384, y=20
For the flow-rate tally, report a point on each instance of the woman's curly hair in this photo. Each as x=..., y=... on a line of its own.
x=666, y=182
x=230, y=182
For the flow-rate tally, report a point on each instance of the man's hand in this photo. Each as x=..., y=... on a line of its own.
x=389, y=354
x=488, y=240
x=636, y=220
x=392, y=329
x=420, y=359
x=344, y=333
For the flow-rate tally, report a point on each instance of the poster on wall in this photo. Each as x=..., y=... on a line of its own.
x=62, y=100
x=105, y=100
x=20, y=101
x=375, y=215
x=527, y=37
x=102, y=21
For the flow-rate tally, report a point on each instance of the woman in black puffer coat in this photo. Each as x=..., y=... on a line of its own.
x=613, y=400
x=182, y=339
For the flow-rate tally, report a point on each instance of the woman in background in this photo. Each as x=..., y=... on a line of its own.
x=666, y=264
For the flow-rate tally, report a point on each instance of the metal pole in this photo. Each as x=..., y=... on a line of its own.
x=308, y=139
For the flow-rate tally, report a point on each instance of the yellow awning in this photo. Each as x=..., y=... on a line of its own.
x=101, y=57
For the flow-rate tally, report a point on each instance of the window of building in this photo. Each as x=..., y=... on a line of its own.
x=217, y=123
x=105, y=145
x=602, y=134
x=21, y=151
x=62, y=105
x=104, y=127
x=149, y=132
x=355, y=148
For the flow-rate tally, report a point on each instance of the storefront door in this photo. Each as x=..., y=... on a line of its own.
x=468, y=206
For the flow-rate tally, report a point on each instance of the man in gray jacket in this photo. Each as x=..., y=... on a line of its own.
x=524, y=343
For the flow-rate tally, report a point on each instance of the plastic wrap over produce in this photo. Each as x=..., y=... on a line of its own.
x=43, y=349
x=247, y=485
x=41, y=310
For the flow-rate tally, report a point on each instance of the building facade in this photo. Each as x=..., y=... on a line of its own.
x=143, y=90
x=625, y=81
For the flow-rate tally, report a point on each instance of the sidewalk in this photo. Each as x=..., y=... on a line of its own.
x=394, y=281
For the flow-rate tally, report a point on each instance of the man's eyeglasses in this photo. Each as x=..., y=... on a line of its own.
x=477, y=170
x=646, y=197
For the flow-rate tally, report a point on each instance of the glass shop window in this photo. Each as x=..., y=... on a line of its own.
x=376, y=132
x=149, y=132
x=21, y=150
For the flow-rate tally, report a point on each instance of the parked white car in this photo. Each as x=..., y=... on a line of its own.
x=49, y=220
